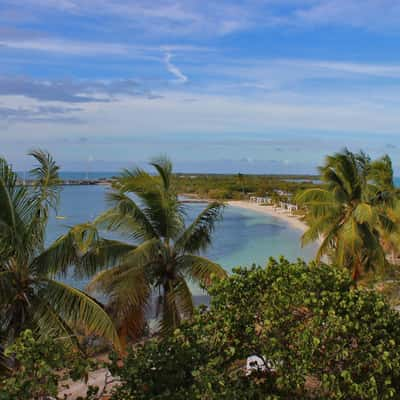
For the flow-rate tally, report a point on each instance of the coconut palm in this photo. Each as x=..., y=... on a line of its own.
x=380, y=175
x=240, y=177
x=30, y=296
x=347, y=213
x=154, y=266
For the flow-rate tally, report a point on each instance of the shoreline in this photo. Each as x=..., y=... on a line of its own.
x=292, y=220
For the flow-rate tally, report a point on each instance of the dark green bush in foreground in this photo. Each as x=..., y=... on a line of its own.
x=319, y=336
x=38, y=365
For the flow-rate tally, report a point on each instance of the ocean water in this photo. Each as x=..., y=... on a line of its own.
x=242, y=238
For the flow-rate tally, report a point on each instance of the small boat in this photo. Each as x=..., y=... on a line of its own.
x=60, y=217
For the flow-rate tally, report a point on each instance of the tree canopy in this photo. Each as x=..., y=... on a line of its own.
x=317, y=336
x=349, y=214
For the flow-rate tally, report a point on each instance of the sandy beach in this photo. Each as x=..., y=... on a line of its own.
x=294, y=221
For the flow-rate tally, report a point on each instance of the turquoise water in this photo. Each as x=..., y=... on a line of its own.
x=243, y=237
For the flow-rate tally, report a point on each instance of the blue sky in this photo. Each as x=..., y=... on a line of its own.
x=254, y=85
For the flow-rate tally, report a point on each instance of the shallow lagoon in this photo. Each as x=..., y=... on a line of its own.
x=243, y=237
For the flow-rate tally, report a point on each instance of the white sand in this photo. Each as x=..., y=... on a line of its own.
x=293, y=220
x=96, y=378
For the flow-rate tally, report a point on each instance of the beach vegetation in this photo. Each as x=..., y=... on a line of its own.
x=241, y=186
x=314, y=333
x=38, y=366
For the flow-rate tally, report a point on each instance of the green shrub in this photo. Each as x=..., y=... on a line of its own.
x=320, y=338
x=39, y=366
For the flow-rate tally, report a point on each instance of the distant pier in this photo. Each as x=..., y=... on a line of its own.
x=72, y=182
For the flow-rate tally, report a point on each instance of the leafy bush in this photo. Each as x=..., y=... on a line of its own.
x=39, y=366
x=319, y=337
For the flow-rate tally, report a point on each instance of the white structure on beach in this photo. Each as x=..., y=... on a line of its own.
x=289, y=207
x=260, y=200
x=255, y=363
x=282, y=205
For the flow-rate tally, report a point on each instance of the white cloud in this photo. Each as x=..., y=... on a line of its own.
x=217, y=114
x=226, y=119
x=367, y=14
x=379, y=70
x=178, y=17
x=174, y=70
x=66, y=46
x=95, y=48
x=196, y=18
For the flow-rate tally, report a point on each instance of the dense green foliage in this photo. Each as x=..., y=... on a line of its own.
x=319, y=338
x=39, y=366
x=351, y=214
x=227, y=187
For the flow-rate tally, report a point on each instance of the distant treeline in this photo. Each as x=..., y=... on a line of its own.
x=238, y=186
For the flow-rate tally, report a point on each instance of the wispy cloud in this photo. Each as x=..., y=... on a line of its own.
x=71, y=91
x=40, y=114
x=158, y=17
x=34, y=41
x=66, y=46
x=220, y=17
x=174, y=70
x=379, y=70
x=367, y=14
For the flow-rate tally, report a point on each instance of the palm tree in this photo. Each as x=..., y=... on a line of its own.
x=380, y=174
x=347, y=214
x=240, y=177
x=30, y=296
x=161, y=256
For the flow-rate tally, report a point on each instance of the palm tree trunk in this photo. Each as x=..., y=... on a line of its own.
x=170, y=316
x=356, y=271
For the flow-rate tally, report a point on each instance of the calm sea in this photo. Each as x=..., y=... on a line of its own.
x=242, y=238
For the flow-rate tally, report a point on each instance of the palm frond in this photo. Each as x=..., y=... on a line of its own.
x=184, y=298
x=78, y=309
x=126, y=216
x=198, y=235
x=151, y=251
x=128, y=293
x=159, y=203
x=365, y=213
x=67, y=250
x=7, y=288
x=164, y=168
x=47, y=180
x=123, y=285
x=46, y=173
x=199, y=269
x=104, y=253
x=48, y=322
x=60, y=255
x=15, y=213
x=8, y=192
x=381, y=174
x=44, y=194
